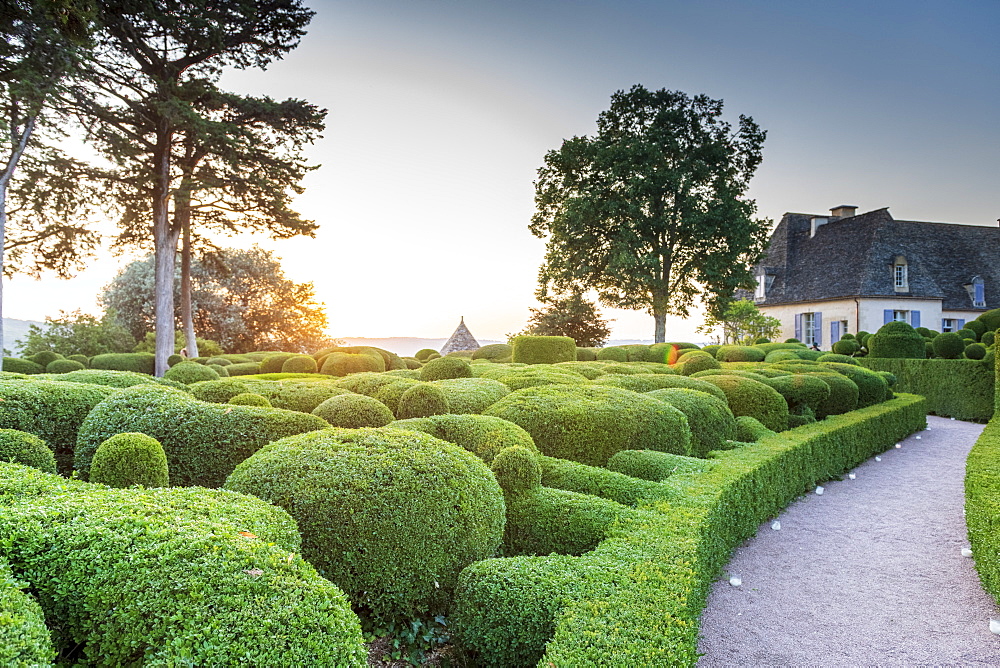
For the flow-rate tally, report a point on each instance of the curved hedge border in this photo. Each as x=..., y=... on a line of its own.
x=636, y=598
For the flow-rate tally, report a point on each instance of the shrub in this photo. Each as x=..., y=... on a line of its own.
x=222, y=390
x=596, y=481
x=353, y=411
x=753, y=398
x=412, y=362
x=613, y=354
x=190, y=372
x=446, y=367
x=204, y=442
x=273, y=363
x=517, y=378
x=837, y=357
x=243, y=368
x=801, y=391
x=343, y=364
x=390, y=393
x=221, y=361
x=655, y=466
x=439, y=511
x=109, y=577
x=586, y=354
x=739, y=354
x=219, y=370
x=982, y=503
x=709, y=418
x=18, y=365
x=422, y=400
x=792, y=340
x=963, y=389
x=689, y=384
x=872, y=388
x=761, y=340
x=174, y=359
x=64, y=366
x=988, y=339
x=20, y=447
x=896, y=339
x=495, y=352
x=425, y=353
x=299, y=364
x=250, y=399
x=846, y=347
x=843, y=396
x=750, y=430
x=543, y=349
x=130, y=459
x=516, y=470
x=137, y=362
x=966, y=333
x=120, y=379
x=24, y=639
x=45, y=357
x=472, y=395
x=975, y=351
x=483, y=435
x=589, y=424
x=711, y=349
x=948, y=345
x=991, y=319
x=697, y=361
x=776, y=356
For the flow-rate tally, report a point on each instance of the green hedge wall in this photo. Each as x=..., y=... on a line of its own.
x=636, y=598
x=961, y=389
x=543, y=349
x=24, y=639
x=137, y=362
x=982, y=506
x=173, y=577
x=597, y=481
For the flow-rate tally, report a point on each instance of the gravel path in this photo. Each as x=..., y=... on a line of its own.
x=869, y=573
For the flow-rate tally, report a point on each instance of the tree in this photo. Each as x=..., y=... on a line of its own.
x=153, y=61
x=240, y=298
x=741, y=323
x=569, y=315
x=78, y=333
x=651, y=211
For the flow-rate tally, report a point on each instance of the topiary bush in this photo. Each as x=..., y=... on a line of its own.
x=218, y=369
x=948, y=346
x=966, y=333
x=739, y=354
x=836, y=357
x=426, y=353
x=204, y=442
x=273, y=363
x=494, y=352
x=589, y=424
x=249, y=399
x=896, y=339
x=18, y=365
x=843, y=396
x=872, y=388
x=846, y=347
x=988, y=339
x=597, y=481
x=586, y=354
x=354, y=411
x=613, y=354
x=120, y=379
x=776, y=356
x=422, y=400
x=655, y=466
x=753, y=398
x=687, y=383
x=697, y=361
x=20, y=447
x=129, y=459
x=483, y=435
x=517, y=470
x=24, y=638
x=709, y=418
x=137, y=362
x=543, y=349
x=802, y=392
x=299, y=364
x=190, y=372
x=344, y=364
x=750, y=430
x=45, y=357
x=64, y=366
x=472, y=395
x=517, y=378
x=440, y=510
x=446, y=367
x=243, y=368
x=975, y=351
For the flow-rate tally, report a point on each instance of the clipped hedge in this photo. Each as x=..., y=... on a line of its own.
x=299, y=364
x=440, y=510
x=896, y=339
x=204, y=442
x=191, y=372
x=119, y=379
x=655, y=466
x=446, y=367
x=19, y=365
x=961, y=389
x=753, y=398
x=517, y=378
x=982, y=504
x=739, y=354
x=137, y=362
x=709, y=418
x=543, y=349
x=344, y=364
x=170, y=576
x=494, y=352
x=64, y=366
x=597, y=481
x=20, y=447
x=422, y=400
x=472, y=395
x=24, y=638
x=483, y=435
x=872, y=388
x=130, y=459
x=354, y=411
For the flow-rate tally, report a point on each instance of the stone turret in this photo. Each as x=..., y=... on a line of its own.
x=462, y=339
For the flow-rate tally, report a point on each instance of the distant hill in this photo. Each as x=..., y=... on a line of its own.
x=406, y=346
x=15, y=330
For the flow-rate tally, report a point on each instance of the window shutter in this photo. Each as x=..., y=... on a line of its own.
x=914, y=319
x=834, y=331
x=886, y=316
x=798, y=326
x=944, y=323
x=961, y=324
x=818, y=328
x=980, y=293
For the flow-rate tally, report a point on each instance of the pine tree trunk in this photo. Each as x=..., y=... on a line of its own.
x=17, y=150
x=187, y=314
x=164, y=250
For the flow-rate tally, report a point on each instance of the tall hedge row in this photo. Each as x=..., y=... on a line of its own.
x=961, y=389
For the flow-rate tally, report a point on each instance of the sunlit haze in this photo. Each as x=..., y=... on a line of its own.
x=441, y=113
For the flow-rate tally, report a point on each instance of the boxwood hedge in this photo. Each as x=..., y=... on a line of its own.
x=137, y=362
x=597, y=481
x=483, y=435
x=20, y=447
x=446, y=367
x=24, y=638
x=746, y=396
x=655, y=466
x=472, y=395
x=354, y=411
x=709, y=418
x=960, y=389
x=130, y=459
x=543, y=349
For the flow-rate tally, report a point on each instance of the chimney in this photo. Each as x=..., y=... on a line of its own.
x=843, y=211
x=815, y=223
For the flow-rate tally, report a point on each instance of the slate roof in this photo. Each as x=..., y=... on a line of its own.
x=461, y=339
x=853, y=257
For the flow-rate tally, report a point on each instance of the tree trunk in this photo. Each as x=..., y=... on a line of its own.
x=17, y=150
x=660, y=334
x=183, y=214
x=164, y=250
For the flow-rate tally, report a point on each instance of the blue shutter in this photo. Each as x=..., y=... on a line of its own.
x=980, y=293
x=818, y=328
x=798, y=326
x=886, y=316
x=944, y=323
x=961, y=324
x=834, y=331
x=914, y=319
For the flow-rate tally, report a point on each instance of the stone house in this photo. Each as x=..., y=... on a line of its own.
x=824, y=275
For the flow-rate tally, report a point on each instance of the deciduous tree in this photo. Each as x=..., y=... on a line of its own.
x=740, y=322
x=569, y=315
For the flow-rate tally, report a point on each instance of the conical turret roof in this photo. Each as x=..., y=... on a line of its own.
x=462, y=339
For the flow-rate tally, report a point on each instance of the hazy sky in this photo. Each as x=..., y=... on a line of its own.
x=441, y=112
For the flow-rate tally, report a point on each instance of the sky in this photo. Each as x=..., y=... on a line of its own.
x=441, y=111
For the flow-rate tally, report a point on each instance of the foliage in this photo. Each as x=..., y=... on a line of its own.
x=64, y=366
x=190, y=372
x=613, y=354
x=517, y=470
x=354, y=411
x=135, y=362
x=531, y=349
x=741, y=323
x=20, y=447
x=472, y=395
x=483, y=435
x=589, y=424
x=250, y=399
x=517, y=378
x=651, y=211
x=656, y=466
x=739, y=354
x=982, y=504
x=948, y=346
x=847, y=347
x=753, y=398
x=896, y=339
x=18, y=365
x=107, y=565
x=494, y=352
x=446, y=367
x=975, y=351
x=569, y=315
x=872, y=388
x=961, y=389
x=204, y=442
x=422, y=400
x=77, y=333
x=299, y=364
x=709, y=418
x=114, y=378
x=596, y=481
x=205, y=347
x=440, y=510
x=24, y=639
x=343, y=364
x=130, y=459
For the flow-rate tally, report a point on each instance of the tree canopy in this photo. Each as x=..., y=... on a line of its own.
x=741, y=323
x=651, y=212
x=569, y=315
x=78, y=333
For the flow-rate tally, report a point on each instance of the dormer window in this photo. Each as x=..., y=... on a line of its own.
x=977, y=290
x=900, y=279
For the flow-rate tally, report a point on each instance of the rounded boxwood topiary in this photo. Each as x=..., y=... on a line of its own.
x=613, y=354
x=425, y=507
x=543, y=349
x=846, y=347
x=711, y=349
x=20, y=447
x=353, y=411
x=174, y=359
x=835, y=357
x=761, y=340
x=746, y=396
x=24, y=638
x=344, y=364
x=483, y=435
x=898, y=340
x=843, y=396
x=191, y=372
x=739, y=354
x=800, y=391
x=640, y=382
x=872, y=388
x=422, y=400
x=19, y=365
x=750, y=430
x=446, y=367
x=967, y=333
x=249, y=399
x=221, y=361
x=517, y=378
x=709, y=418
x=129, y=459
x=517, y=470
x=654, y=466
x=220, y=391
x=975, y=351
x=64, y=366
x=137, y=362
x=988, y=339
x=472, y=395
x=948, y=345
x=425, y=354
x=299, y=364
x=688, y=383
x=776, y=356
x=273, y=363
x=792, y=340
x=45, y=357
x=220, y=370
x=494, y=352
x=589, y=424
x=82, y=359
x=697, y=361
x=586, y=354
